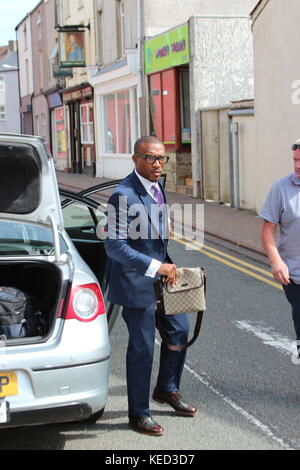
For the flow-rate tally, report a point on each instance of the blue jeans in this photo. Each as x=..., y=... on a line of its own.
x=292, y=292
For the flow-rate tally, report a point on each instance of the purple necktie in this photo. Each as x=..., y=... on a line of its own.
x=157, y=194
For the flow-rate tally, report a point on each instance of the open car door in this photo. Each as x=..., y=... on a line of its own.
x=84, y=221
x=84, y=218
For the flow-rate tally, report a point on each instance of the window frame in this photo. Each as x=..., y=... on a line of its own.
x=3, y=115
x=134, y=121
x=87, y=124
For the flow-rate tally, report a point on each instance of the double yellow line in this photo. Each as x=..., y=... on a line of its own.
x=231, y=261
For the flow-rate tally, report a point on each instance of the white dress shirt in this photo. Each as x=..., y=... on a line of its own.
x=155, y=264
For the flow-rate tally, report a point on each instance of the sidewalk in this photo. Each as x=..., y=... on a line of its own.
x=239, y=228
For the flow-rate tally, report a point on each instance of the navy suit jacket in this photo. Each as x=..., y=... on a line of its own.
x=130, y=210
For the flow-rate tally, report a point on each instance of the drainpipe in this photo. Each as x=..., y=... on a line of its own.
x=32, y=116
x=230, y=161
x=235, y=164
x=139, y=47
x=19, y=85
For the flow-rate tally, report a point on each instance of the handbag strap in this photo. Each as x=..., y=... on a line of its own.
x=180, y=347
x=160, y=309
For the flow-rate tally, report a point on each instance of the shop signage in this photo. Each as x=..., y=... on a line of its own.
x=54, y=100
x=58, y=72
x=83, y=93
x=61, y=146
x=167, y=50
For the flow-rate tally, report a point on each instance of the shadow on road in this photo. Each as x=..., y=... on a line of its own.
x=55, y=436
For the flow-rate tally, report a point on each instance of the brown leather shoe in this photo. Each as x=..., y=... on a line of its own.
x=146, y=426
x=175, y=400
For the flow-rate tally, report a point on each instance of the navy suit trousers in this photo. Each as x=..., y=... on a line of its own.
x=139, y=358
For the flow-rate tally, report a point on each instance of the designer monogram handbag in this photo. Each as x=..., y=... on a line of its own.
x=187, y=296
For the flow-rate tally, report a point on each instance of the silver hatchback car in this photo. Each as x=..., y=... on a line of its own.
x=51, y=248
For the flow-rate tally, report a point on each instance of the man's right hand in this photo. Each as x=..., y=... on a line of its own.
x=169, y=270
x=280, y=272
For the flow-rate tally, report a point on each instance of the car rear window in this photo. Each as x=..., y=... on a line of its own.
x=20, y=178
x=19, y=239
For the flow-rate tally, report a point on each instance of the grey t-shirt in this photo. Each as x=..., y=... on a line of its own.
x=282, y=207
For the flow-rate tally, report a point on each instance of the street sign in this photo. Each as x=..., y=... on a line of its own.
x=60, y=72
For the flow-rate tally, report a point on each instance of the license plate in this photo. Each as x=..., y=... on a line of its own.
x=8, y=384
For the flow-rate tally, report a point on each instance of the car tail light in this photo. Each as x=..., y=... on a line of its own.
x=85, y=303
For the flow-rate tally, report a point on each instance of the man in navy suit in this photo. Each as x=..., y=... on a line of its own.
x=136, y=247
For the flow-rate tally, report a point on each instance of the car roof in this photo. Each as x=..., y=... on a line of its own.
x=21, y=136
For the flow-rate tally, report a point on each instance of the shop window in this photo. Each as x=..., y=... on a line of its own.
x=87, y=123
x=170, y=107
x=110, y=124
x=119, y=121
x=185, y=106
x=156, y=105
x=169, y=111
x=61, y=146
x=123, y=116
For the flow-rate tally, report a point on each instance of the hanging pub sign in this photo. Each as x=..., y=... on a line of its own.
x=72, y=51
x=72, y=46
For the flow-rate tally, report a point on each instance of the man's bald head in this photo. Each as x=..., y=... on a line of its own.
x=146, y=139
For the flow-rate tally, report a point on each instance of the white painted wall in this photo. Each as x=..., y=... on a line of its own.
x=222, y=61
x=82, y=15
x=25, y=57
x=111, y=165
x=109, y=28
x=221, y=71
x=163, y=15
x=277, y=104
x=119, y=70
x=11, y=102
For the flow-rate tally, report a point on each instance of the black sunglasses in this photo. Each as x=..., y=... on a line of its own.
x=152, y=158
x=295, y=147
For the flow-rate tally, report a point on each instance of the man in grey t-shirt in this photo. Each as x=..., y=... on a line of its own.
x=282, y=209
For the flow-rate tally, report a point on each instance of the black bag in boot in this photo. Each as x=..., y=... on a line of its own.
x=12, y=311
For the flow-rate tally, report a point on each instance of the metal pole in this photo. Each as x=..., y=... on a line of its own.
x=235, y=157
